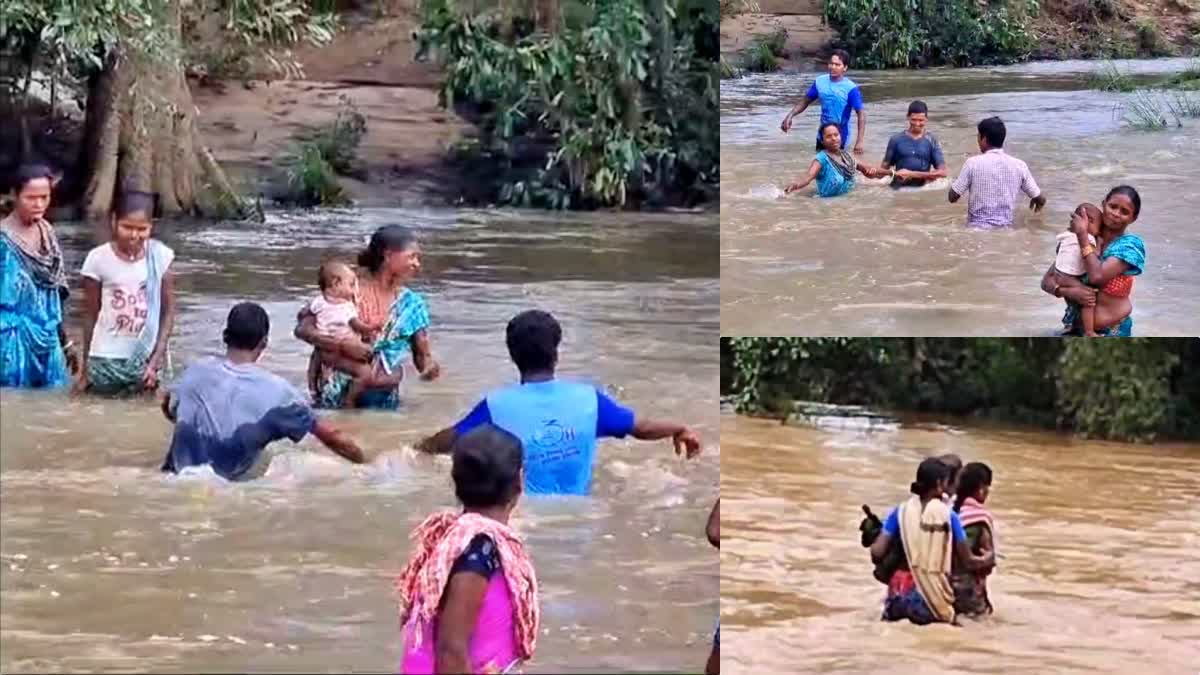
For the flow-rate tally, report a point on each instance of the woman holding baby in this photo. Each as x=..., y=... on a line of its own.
x=395, y=316
x=1107, y=261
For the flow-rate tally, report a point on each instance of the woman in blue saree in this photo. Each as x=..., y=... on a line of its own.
x=34, y=350
x=392, y=259
x=834, y=169
x=1110, y=268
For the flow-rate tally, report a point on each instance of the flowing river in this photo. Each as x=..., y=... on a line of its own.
x=882, y=262
x=1099, y=568
x=109, y=565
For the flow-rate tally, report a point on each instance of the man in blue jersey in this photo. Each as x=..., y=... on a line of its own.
x=838, y=95
x=557, y=421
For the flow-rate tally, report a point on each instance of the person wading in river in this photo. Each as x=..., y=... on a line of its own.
x=838, y=95
x=557, y=421
x=930, y=533
x=34, y=349
x=914, y=156
x=1110, y=268
x=970, y=587
x=226, y=410
x=128, y=304
x=713, y=530
x=469, y=594
x=993, y=180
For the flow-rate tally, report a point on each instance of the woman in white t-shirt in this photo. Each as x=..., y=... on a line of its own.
x=129, y=304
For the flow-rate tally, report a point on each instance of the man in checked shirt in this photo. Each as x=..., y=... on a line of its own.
x=993, y=180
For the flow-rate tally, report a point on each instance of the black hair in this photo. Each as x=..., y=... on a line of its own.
x=974, y=476
x=386, y=238
x=247, y=326
x=129, y=202
x=821, y=131
x=27, y=173
x=993, y=130
x=486, y=467
x=533, y=337
x=931, y=472
x=954, y=464
x=917, y=107
x=843, y=55
x=1130, y=192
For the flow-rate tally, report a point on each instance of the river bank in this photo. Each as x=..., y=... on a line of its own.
x=414, y=151
x=1059, y=30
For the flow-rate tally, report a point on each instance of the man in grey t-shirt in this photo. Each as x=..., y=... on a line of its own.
x=914, y=155
x=226, y=410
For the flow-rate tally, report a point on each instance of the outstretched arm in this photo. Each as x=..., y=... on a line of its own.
x=653, y=430
x=338, y=441
x=862, y=131
x=813, y=170
x=796, y=110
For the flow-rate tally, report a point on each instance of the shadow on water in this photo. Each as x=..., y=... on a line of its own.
x=108, y=564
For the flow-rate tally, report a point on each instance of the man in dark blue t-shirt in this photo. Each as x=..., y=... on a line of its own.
x=914, y=155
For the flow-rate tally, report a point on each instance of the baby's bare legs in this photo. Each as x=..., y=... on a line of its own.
x=372, y=377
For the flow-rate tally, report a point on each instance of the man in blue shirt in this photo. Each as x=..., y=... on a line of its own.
x=226, y=410
x=838, y=95
x=557, y=421
x=914, y=155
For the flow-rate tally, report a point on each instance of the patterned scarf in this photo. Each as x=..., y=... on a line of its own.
x=973, y=512
x=844, y=162
x=440, y=540
x=45, y=264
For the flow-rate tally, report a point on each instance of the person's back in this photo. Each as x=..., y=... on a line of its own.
x=997, y=178
x=556, y=421
x=227, y=413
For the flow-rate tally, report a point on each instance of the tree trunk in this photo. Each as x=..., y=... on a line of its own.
x=547, y=16
x=141, y=135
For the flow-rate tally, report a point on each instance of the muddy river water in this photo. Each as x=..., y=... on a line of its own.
x=108, y=565
x=884, y=262
x=1099, y=568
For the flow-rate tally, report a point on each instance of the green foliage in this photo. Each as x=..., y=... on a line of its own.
x=617, y=112
x=1110, y=78
x=338, y=142
x=316, y=161
x=1119, y=389
x=1127, y=398
x=730, y=8
x=311, y=179
x=1151, y=109
x=760, y=58
x=729, y=71
x=891, y=33
x=71, y=39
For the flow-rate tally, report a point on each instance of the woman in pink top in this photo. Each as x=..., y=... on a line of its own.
x=468, y=596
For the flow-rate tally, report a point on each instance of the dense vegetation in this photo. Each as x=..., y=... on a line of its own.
x=904, y=33
x=612, y=104
x=1138, y=389
x=126, y=62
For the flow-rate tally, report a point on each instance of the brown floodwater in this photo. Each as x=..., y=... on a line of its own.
x=1099, y=546
x=902, y=263
x=106, y=564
